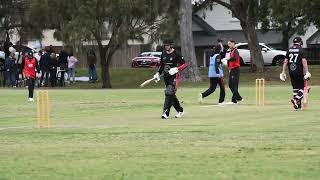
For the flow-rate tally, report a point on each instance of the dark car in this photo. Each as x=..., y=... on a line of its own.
x=147, y=60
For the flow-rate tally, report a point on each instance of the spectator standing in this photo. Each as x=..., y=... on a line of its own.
x=53, y=69
x=92, y=61
x=2, y=68
x=45, y=68
x=63, y=64
x=72, y=61
x=10, y=68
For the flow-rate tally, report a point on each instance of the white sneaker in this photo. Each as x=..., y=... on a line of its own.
x=231, y=103
x=242, y=101
x=30, y=100
x=200, y=98
x=222, y=103
x=164, y=116
x=179, y=115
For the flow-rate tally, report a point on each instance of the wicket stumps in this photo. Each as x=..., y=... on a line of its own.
x=260, y=86
x=43, y=109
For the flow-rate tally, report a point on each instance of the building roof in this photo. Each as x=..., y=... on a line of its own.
x=202, y=39
x=314, y=39
x=204, y=25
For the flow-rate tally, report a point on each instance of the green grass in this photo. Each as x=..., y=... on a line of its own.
x=132, y=78
x=117, y=134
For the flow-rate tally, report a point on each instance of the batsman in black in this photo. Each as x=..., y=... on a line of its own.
x=171, y=64
x=298, y=71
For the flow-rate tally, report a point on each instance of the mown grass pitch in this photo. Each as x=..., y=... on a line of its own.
x=118, y=134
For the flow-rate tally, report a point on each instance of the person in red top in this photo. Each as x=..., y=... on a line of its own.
x=30, y=66
x=234, y=69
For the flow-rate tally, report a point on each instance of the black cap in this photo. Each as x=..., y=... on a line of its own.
x=297, y=40
x=168, y=42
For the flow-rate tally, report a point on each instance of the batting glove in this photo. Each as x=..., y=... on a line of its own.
x=156, y=77
x=283, y=77
x=307, y=76
x=173, y=71
x=224, y=62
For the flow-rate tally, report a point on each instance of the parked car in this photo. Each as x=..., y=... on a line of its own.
x=147, y=59
x=22, y=49
x=270, y=55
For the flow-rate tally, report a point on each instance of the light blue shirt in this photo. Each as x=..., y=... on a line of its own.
x=212, y=68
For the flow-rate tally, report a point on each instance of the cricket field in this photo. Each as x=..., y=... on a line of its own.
x=118, y=134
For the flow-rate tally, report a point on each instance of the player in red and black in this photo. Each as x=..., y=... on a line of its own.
x=298, y=70
x=171, y=64
x=234, y=67
x=30, y=70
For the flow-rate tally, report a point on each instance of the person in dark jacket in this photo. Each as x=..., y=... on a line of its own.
x=2, y=68
x=53, y=69
x=10, y=69
x=91, y=61
x=45, y=68
x=63, y=64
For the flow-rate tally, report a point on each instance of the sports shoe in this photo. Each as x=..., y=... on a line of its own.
x=294, y=103
x=179, y=115
x=164, y=116
x=221, y=103
x=30, y=100
x=200, y=98
x=231, y=103
x=240, y=101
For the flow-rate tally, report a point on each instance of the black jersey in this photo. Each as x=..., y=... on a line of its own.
x=170, y=60
x=295, y=56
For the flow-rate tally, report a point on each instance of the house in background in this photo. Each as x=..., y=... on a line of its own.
x=214, y=21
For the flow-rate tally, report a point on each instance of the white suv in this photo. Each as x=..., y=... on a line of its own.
x=270, y=55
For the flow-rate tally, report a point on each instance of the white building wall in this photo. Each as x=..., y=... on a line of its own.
x=309, y=32
x=219, y=17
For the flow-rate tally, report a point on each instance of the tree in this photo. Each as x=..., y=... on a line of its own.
x=186, y=39
x=13, y=15
x=97, y=20
x=247, y=11
x=289, y=17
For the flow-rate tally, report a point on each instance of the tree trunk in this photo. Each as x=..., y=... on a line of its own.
x=104, y=62
x=285, y=35
x=285, y=40
x=186, y=39
x=257, y=62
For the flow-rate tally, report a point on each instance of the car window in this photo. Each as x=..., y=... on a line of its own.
x=243, y=47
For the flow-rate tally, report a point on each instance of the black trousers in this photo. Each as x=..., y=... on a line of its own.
x=297, y=82
x=234, y=78
x=53, y=77
x=31, y=83
x=44, y=76
x=214, y=81
x=170, y=96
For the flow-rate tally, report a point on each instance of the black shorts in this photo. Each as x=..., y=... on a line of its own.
x=297, y=81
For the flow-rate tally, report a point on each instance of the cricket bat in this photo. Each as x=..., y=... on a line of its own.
x=147, y=82
x=305, y=94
